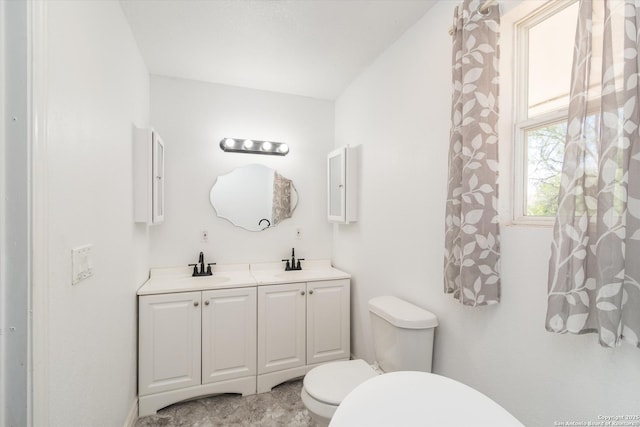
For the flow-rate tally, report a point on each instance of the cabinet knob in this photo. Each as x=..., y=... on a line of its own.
x=196, y=303
x=206, y=302
x=301, y=292
x=311, y=292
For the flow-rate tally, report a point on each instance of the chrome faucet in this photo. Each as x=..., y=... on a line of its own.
x=202, y=271
x=293, y=266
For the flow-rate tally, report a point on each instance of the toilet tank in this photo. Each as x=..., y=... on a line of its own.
x=402, y=334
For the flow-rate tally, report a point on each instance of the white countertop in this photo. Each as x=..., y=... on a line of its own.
x=179, y=279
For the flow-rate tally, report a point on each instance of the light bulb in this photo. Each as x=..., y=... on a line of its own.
x=248, y=143
x=229, y=142
x=284, y=148
x=266, y=146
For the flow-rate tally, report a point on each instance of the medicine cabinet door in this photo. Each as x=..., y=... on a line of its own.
x=336, y=169
x=158, y=179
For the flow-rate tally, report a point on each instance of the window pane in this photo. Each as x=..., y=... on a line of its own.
x=550, y=58
x=545, y=151
x=545, y=154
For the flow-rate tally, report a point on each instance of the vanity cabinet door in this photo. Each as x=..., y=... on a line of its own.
x=281, y=327
x=169, y=342
x=228, y=334
x=328, y=321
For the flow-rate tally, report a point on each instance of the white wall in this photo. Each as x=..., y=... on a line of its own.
x=14, y=215
x=98, y=87
x=398, y=109
x=193, y=117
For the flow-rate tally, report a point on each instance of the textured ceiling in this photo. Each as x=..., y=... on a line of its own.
x=305, y=47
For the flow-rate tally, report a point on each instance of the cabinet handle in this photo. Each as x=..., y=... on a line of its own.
x=301, y=292
x=311, y=292
x=196, y=303
x=206, y=302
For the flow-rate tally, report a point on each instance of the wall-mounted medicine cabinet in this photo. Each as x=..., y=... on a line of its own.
x=342, y=181
x=148, y=176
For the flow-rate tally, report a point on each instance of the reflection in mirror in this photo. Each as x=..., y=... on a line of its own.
x=254, y=197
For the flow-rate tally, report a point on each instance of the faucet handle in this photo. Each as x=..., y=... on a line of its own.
x=209, y=272
x=298, y=267
x=287, y=266
x=195, y=269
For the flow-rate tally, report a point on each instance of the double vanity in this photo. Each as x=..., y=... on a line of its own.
x=244, y=329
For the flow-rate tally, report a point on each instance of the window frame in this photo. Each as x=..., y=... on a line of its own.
x=528, y=18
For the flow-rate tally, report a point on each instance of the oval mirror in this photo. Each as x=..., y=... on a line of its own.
x=254, y=197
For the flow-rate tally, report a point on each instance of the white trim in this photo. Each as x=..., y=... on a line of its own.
x=507, y=109
x=132, y=416
x=3, y=298
x=522, y=122
x=38, y=404
x=513, y=72
x=534, y=221
x=150, y=404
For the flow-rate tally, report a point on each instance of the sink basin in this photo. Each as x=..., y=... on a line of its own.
x=205, y=280
x=296, y=274
x=179, y=279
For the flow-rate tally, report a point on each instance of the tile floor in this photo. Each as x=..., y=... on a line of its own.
x=281, y=407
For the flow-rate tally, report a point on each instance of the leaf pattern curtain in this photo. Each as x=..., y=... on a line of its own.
x=472, y=235
x=281, y=205
x=594, y=272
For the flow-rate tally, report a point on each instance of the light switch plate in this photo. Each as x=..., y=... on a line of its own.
x=81, y=263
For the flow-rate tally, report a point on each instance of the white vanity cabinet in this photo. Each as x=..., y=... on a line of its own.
x=244, y=329
x=195, y=343
x=299, y=326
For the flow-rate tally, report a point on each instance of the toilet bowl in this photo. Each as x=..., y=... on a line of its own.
x=326, y=386
x=403, y=340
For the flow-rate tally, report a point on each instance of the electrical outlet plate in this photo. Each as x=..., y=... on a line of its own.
x=81, y=263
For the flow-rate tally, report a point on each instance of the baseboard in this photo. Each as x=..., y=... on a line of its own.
x=132, y=416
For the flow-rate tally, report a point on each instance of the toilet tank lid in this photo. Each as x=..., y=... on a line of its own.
x=402, y=314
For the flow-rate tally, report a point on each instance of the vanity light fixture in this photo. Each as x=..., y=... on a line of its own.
x=253, y=146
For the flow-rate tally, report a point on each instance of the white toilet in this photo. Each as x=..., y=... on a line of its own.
x=403, y=341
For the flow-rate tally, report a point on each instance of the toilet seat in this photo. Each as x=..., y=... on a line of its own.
x=419, y=399
x=330, y=383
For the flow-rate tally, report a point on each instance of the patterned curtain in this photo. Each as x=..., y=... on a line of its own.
x=472, y=235
x=281, y=207
x=594, y=271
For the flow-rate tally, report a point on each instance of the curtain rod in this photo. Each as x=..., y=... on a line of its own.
x=487, y=4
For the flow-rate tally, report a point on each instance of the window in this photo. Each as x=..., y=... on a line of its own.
x=544, y=55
